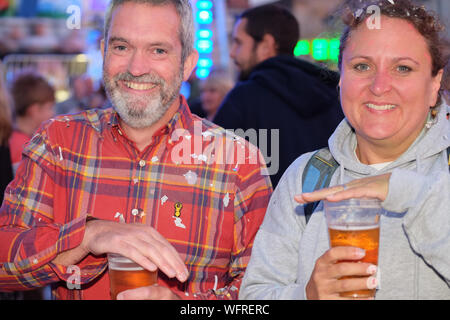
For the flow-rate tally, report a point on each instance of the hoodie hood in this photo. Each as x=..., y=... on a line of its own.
x=430, y=142
x=284, y=76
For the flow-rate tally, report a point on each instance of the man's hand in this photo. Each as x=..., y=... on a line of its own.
x=326, y=282
x=154, y=292
x=138, y=242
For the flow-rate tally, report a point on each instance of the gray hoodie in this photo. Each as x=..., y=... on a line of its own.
x=414, y=253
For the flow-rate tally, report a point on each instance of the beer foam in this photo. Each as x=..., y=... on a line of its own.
x=119, y=267
x=353, y=227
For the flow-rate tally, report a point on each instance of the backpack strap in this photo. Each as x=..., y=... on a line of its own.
x=317, y=175
x=448, y=156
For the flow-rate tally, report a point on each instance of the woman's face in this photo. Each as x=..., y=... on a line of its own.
x=387, y=87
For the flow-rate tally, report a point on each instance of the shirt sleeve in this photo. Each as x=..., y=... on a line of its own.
x=426, y=200
x=253, y=192
x=31, y=237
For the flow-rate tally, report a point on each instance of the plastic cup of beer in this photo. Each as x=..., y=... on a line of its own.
x=356, y=223
x=125, y=274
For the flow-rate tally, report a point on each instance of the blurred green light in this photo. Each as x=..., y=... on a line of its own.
x=334, y=49
x=320, y=49
x=302, y=48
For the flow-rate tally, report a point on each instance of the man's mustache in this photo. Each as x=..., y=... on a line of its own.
x=145, y=78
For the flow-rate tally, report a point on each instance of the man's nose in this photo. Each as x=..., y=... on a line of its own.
x=139, y=63
x=233, y=51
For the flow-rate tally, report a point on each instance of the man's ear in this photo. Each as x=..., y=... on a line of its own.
x=268, y=47
x=189, y=64
x=102, y=48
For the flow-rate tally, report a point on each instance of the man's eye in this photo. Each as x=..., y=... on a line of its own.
x=160, y=51
x=119, y=48
x=361, y=67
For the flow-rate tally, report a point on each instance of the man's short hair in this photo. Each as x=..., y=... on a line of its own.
x=276, y=21
x=30, y=88
x=184, y=10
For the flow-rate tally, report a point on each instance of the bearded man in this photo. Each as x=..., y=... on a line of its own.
x=107, y=181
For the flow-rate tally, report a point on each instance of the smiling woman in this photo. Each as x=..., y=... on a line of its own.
x=392, y=146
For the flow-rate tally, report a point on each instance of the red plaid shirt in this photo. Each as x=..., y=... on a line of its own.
x=80, y=165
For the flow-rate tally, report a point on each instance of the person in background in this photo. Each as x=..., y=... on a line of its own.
x=5, y=157
x=34, y=100
x=277, y=91
x=82, y=89
x=5, y=132
x=213, y=89
x=393, y=145
x=124, y=179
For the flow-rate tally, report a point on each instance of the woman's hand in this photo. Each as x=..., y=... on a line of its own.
x=154, y=292
x=370, y=187
x=326, y=283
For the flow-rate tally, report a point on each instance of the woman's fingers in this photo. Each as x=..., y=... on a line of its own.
x=370, y=187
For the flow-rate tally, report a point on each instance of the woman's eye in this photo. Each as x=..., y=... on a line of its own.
x=404, y=69
x=361, y=67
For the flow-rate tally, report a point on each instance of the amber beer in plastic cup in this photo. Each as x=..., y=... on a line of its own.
x=125, y=274
x=356, y=223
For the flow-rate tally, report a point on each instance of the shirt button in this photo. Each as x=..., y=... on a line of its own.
x=135, y=212
x=142, y=163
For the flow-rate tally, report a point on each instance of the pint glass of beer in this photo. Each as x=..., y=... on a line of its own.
x=356, y=223
x=125, y=274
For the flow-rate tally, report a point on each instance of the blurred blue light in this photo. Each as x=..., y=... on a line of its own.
x=204, y=46
x=204, y=4
x=202, y=73
x=204, y=33
x=204, y=17
x=204, y=63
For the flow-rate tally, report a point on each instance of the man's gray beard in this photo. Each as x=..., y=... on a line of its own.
x=141, y=112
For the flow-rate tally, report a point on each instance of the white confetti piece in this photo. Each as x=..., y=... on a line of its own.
x=226, y=200
x=179, y=223
x=164, y=199
x=60, y=154
x=188, y=137
x=202, y=157
x=155, y=159
x=216, y=280
x=120, y=216
x=207, y=134
x=191, y=177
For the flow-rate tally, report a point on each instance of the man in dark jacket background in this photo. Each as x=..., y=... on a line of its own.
x=277, y=91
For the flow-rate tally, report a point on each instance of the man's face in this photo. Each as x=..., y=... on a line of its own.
x=142, y=67
x=243, y=50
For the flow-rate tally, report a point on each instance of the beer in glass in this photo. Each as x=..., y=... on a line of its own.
x=356, y=223
x=125, y=274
